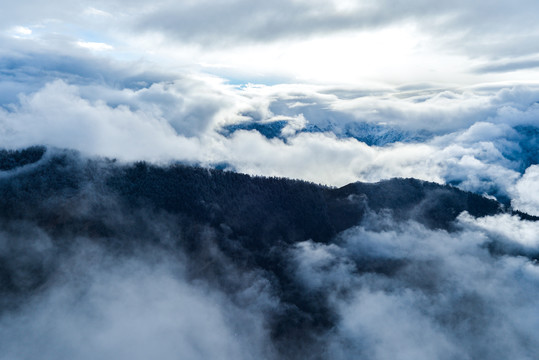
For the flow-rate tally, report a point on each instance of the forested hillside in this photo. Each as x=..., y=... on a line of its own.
x=212, y=222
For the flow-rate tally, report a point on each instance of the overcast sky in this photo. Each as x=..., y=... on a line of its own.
x=341, y=41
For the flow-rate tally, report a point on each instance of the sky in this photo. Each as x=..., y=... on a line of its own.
x=385, y=43
x=326, y=91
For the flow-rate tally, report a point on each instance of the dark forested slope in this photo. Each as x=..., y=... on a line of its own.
x=259, y=210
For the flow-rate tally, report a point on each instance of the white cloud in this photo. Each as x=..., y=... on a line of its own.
x=22, y=30
x=95, y=46
x=425, y=294
x=96, y=12
x=176, y=120
x=58, y=116
x=526, y=191
x=506, y=228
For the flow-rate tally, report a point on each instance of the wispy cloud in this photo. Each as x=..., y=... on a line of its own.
x=508, y=66
x=93, y=11
x=21, y=30
x=96, y=46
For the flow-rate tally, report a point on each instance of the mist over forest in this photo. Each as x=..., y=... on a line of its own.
x=129, y=260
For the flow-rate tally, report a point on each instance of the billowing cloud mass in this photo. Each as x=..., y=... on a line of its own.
x=525, y=191
x=485, y=143
x=444, y=293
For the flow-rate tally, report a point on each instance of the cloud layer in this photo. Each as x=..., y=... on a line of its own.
x=338, y=41
x=482, y=141
x=209, y=21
